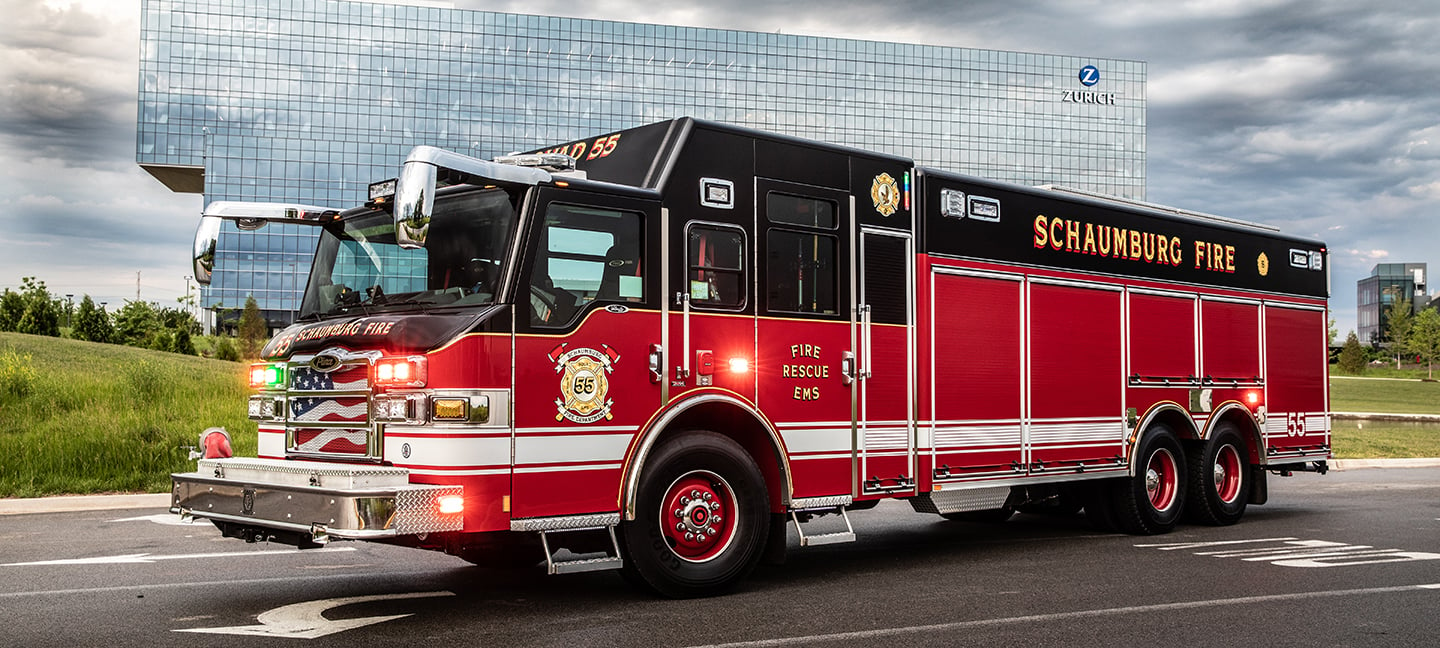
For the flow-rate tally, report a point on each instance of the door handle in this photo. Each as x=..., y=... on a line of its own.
x=657, y=363
x=847, y=367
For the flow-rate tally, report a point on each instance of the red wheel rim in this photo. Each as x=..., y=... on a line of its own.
x=697, y=516
x=1227, y=475
x=1162, y=480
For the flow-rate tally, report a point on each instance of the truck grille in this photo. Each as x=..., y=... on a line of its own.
x=328, y=413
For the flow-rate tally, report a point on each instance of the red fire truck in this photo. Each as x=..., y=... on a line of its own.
x=659, y=348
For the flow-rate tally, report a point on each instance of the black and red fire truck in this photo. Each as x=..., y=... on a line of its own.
x=660, y=348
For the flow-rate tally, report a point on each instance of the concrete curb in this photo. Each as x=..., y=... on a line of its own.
x=1377, y=416
x=71, y=503
x=1354, y=464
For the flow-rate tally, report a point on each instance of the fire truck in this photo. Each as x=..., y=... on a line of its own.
x=657, y=350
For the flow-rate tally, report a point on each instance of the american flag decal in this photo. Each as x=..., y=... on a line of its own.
x=348, y=406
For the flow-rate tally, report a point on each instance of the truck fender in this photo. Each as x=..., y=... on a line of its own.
x=634, y=464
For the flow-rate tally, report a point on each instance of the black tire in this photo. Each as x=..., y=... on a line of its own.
x=1151, y=501
x=986, y=516
x=720, y=497
x=1219, y=479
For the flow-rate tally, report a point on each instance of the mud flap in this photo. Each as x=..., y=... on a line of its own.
x=1259, y=488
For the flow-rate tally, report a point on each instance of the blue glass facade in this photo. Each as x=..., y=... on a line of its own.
x=310, y=100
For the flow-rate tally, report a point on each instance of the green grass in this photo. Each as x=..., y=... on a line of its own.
x=1389, y=396
x=80, y=417
x=1384, y=439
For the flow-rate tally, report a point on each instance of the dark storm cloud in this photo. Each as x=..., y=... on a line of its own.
x=69, y=80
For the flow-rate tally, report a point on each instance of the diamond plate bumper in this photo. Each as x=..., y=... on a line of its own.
x=325, y=500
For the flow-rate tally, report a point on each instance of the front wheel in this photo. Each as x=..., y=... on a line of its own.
x=1219, y=479
x=701, y=517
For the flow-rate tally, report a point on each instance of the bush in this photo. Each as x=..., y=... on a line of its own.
x=17, y=375
x=225, y=350
x=92, y=323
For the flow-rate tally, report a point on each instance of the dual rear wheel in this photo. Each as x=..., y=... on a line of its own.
x=1209, y=485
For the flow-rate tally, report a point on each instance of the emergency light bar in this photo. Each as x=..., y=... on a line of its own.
x=553, y=162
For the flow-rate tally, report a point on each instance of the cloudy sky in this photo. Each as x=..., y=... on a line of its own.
x=1321, y=117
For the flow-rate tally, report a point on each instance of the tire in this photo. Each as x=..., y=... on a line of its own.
x=1151, y=501
x=1219, y=479
x=702, y=516
x=986, y=516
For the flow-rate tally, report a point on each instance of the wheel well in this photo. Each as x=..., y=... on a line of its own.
x=1176, y=419
x=725, y=417
x=1249, y=430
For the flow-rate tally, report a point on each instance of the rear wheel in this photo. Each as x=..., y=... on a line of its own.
x=701, y=517
x=1219, y=479
x=1151, y=501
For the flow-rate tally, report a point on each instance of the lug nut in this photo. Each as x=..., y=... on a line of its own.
x=690, y=536
x=714, y=506
x=679, y=513
x=684, y=500
x=694, y=493
x=679, y=526
x=706, y=496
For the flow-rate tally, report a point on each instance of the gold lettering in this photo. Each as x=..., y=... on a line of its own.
x=1089, y=239
x=1072, y=234
x=1040, y=239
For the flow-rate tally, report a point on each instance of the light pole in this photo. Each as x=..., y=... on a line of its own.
x=69, y=308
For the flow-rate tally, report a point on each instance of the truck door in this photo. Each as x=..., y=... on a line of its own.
x=587, y=316
x=804, y=336
x=883, y=341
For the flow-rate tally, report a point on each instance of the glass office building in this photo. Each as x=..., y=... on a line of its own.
x=310, y=100
x=1376, y=294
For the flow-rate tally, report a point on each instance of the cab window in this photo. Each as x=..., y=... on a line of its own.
x=586, y=254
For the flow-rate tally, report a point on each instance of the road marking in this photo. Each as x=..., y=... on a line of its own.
x=1292, y=552
x=309, y=580
x=307, y=620
x=1065, y=616
x=145, y=558
x=167, y=519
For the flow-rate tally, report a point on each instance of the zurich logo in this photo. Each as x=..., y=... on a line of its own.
x=1089, y=75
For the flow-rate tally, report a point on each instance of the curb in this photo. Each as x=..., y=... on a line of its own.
x=1354, y=464
x=1377, y=416
x=72, y=503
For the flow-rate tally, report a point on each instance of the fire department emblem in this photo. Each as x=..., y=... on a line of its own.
x=885, y=194
x=1263, y=264
x=584, y=383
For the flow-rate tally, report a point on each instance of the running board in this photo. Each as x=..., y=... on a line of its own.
x=822, y=506
x=577, y=523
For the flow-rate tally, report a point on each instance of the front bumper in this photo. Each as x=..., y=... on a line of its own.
x=321, y=500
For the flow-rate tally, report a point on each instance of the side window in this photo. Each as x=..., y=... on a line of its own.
x=715, y=259
x=586, y=254
x=801, y=263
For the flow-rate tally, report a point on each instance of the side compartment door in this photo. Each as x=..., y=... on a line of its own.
x=587, y=315
x=886, y=391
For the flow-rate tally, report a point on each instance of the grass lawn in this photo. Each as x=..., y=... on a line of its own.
x=1384, y=439
x=1389, y=396
x=82, y=417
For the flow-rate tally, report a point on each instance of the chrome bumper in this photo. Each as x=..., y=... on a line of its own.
x=323, y=500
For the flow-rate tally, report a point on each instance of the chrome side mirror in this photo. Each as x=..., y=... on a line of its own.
x=414, y=202
x=207, y=236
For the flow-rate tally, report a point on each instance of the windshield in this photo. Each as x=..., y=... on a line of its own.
x=359, y=268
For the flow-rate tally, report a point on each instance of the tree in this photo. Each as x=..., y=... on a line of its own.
x=1399, y=319
x=12, y=307
x=181, y=343
x=225, y=350
x=1352, y=355
x=42, y=312
x=1331, y=332
x=92, y=323
x=252, y=329
x=1424, y=339
x=136, y=324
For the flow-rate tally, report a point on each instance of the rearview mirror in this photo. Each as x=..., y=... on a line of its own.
x=207, y=236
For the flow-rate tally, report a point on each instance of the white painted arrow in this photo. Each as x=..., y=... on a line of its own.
x=307, y=620
x=167, y=519
x=145, y=558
